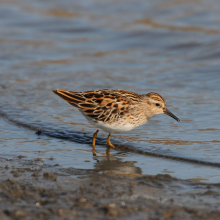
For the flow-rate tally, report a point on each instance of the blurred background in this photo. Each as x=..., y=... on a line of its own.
x=171, y=47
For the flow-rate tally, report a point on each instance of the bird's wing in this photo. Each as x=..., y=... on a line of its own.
x=101, y=105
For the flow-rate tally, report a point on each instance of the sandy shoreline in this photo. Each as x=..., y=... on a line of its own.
x=29, y=191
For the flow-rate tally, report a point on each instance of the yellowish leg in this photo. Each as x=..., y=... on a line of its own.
x=109, y=142
x=93, y=142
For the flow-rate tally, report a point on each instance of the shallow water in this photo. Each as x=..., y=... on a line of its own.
x=168, y=47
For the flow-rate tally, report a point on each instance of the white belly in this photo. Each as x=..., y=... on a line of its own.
x=117, y=127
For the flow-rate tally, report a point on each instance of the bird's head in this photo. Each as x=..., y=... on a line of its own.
x=155, y=105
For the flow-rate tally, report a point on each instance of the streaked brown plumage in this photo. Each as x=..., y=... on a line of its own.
x=115, y=111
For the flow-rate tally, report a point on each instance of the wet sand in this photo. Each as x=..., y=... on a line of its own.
x=49, y=192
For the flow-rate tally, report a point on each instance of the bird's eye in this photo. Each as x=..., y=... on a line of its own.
x=157, y=104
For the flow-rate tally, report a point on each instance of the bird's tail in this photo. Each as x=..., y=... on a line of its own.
x=73, y=98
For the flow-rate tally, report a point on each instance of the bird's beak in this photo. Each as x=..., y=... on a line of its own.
x=167, y=112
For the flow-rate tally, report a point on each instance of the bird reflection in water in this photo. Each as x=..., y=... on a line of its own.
x=116, y=165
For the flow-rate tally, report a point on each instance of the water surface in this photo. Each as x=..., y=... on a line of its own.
x=168, y=47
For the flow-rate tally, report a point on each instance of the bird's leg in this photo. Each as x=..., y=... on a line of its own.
x=93, y=142
x=109, y=142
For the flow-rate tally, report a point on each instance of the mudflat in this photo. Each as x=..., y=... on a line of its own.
x=50, y=192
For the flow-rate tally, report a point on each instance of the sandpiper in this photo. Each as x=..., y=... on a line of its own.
x=115, y=111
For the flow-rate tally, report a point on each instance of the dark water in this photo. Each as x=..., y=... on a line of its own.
x=168, y=47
